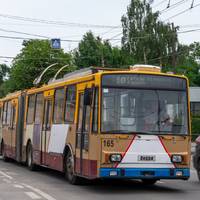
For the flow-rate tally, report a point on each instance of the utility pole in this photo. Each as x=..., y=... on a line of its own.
x=173, y=46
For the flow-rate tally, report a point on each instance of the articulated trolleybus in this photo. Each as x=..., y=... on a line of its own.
x=102, y=123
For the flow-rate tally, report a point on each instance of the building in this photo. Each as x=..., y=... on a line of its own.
x=195, y=100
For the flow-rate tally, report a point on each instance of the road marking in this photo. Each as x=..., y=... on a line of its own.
x=41, y=193
x=11, y=173
x=6, y=175
x=4, y=169
x=18, y=186
x=32, y=195
x=6, y=180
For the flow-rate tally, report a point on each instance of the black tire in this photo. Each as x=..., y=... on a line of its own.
x=1, y=149
x=29, y=158
x=149, y=181
x=4, y=157
x=198, y=169
x=69, y=170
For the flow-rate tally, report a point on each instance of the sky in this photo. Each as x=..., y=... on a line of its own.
x=102, y=17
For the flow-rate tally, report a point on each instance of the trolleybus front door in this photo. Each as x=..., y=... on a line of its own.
x=46, y=129
x=82, y=137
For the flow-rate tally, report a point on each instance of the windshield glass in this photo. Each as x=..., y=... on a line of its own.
x=144, y=111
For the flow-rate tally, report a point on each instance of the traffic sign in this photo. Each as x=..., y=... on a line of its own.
x=55, y=43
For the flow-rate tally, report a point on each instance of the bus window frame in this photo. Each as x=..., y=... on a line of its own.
x=65, y=106
x=53, y=105
x=44, y=123
x=95, y=91
x=33, y=117
x=36, y=95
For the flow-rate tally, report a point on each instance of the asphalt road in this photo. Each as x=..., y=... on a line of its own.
x=18, y=183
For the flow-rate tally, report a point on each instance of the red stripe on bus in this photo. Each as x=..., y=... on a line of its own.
x=116, y=165
x=166, y=150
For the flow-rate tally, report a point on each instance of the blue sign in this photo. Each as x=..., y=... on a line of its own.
x=55, y=43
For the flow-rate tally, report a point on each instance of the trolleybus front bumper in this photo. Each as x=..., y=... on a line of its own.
x=145, y=173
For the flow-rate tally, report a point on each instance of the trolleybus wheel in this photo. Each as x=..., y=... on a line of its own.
x=69, y=170
x=198, y=169
x=149, y=181
x=5, y=158
x=29, y=157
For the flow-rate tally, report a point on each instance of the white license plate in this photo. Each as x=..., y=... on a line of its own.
x=146, y=158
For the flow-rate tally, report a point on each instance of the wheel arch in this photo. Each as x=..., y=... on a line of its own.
x=68, y=148
x=27, y=144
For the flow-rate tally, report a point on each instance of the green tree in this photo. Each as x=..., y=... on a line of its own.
x=35, y=56
x=92, y=51
x=89, y=51
x=4, y=74
x=147, y=39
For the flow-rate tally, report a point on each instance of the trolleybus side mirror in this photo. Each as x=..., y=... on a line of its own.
x=88, y=96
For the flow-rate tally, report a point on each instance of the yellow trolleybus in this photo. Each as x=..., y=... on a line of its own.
x=102, y=123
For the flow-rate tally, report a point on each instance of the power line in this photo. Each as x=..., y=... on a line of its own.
x=192, y=4
x=189, y=25
x=61, y=23
x=7, y=57
x=171, y=54
x=182, y=12
x=27, y=38
x=170, y=7
x=158, y=4
x=113, y=38
x=18, y=32
x=104, y=33
x=33, y=58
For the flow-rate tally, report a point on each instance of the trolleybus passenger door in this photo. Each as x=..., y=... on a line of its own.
x=12, y=127
x=82, y=134
x=46, y=129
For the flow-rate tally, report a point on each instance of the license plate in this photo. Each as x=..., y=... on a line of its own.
x=146, y=158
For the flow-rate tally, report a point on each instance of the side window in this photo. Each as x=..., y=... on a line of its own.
x=9, y=108
x=47, y=115
x=39, y=108
x=95, y=111
x=70, y=104
x=80, y=113
x=59, y=106
x=31, y=108
x=4, y=112
x=13, y=117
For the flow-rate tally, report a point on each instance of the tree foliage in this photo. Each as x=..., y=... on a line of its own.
x=4, y=73
x=146, y=38
x=34, y=57
x=92, y=51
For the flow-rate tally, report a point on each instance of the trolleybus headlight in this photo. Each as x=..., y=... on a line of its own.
x=115, y=157
x=177, y=158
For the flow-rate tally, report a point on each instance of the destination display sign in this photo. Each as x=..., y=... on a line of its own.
x=143, y=81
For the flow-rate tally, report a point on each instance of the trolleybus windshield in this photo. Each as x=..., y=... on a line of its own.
x=144, y=107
